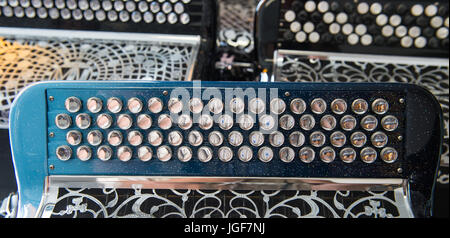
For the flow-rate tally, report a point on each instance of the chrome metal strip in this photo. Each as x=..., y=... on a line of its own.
x=226, y=183
x=147, y=37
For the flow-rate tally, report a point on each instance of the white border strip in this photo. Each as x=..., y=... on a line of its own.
x=74, y=34
x=363, y=58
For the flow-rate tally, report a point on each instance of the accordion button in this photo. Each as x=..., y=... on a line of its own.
x=256, y=138
x=145, y=153
x=144, y=121
x=135, y=138
x=124, y=153
x=389, y=155
x=63, y=152
x=337, y=139
x=307, y=154
x=347, y=155
x=124, y=121
x=204, y=154
x=114, y=138
x=184, y=154
x=287, y=154
x=327, y=154
x=265, y=154
x=317, y=139
x=175, y=138
x=63, y=121
x=95, y=137
x=358, y=139
x=297, y=139
x=245, y=154
x=225, y=154
x=164, y=153
x=74, y=137
x=104, y=153
x=215, y=138
x=84, y=153
x=307, y=122
x=155, y=138
x=195, y=138
x=369, y=123
x=155, y=105
x=368, y=155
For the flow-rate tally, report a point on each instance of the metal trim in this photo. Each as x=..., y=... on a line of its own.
x=225, y=183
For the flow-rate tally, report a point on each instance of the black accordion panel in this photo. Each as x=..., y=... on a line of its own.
x=407, y=28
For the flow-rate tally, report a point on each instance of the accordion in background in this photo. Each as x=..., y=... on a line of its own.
x=102, y=40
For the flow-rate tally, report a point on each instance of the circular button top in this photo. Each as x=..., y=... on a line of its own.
x=94, y=104
x=63, y=121
x=63, y=152
x=155, y=138
x=265, y=154
x=114, y=105
x=287, y=154
x=73, y=104
x=135, y=105
x=245, y=154
x=155, y=105
x=205, y=154
x=184, y=154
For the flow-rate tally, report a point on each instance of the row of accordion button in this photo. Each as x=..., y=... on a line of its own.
x=225, y=154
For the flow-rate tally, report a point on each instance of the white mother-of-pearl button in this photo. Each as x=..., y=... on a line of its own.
x=295, y=26
x=289, y=16
x=341, y=18
x=414, y=31
x=376, y=8
x=328, y=17
x=431, y=10
x=361, y=29
x=417, y=10
x=314, y=37
x=323, y=6
x=436, y=21
x=406, y=42
x=347, y=29
x=363, y=8
x=353, y=39
x=334, y=28
x=308, y=27
x=381, y=20
x=442, y=33
x=420, y=42
x=310, y=6
x=401, y=31
x=387, y=31
x=366, y=40
x=395, y=20
x=300, y=37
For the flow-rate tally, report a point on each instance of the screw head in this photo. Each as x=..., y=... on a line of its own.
x=400, y=170
x=400, y=138
x=287, y=94
x=52, y=134
x=52, y=167
x=165, y=93
x=51, y=98
x=401, y=100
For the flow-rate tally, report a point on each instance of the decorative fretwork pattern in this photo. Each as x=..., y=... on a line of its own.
x=120, y=203
x=27, y=60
